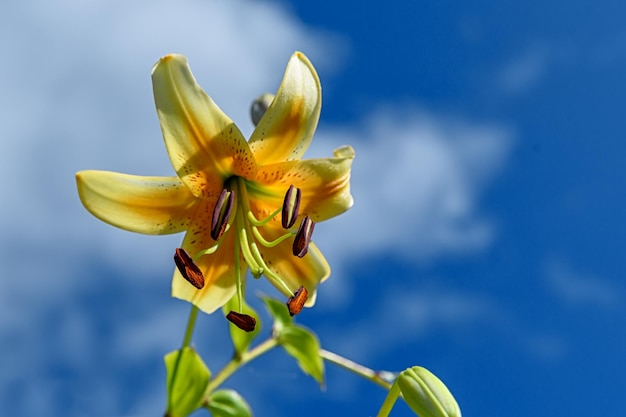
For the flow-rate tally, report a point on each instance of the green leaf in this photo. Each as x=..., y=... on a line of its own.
x=187, y=381
x=279, y=312
x=241, y=340
x=228, y=403
x=303, y=345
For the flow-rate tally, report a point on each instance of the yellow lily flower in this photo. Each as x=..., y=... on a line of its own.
x=209, y=154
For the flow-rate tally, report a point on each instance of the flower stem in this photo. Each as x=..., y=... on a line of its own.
x=379, y=378
x=389, y=402
x=191, y=323
x=238, y=361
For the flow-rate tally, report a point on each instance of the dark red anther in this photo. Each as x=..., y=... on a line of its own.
x=221, y=213
x=243, y=321
x=188, y=268
x=291, y=206
x=295, y=304
x=303, y=237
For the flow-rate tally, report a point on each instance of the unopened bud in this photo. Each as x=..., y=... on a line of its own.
x=291, y=206
x=243, y=321
x=303, y=237
x=188, y=269
x=426, y=395
x=296, y=303
x=260, y=106
x=221, y=213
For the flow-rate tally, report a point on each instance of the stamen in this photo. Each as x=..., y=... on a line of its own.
x=243, y=321
x=207, y=251
x=259, y=223
x=271, y=275
x=270, y=243
x=291, y=205
x=188, y=269
x=296, y=303
x=221, y=213
x=303, y=237
x=255, y=268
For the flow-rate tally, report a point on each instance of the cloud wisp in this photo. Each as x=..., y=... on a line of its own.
x=79, y=97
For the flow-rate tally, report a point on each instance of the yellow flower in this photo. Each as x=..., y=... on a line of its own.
x=209, y=155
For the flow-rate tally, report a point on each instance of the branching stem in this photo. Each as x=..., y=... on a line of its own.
x=367, y=373
x=238, y=361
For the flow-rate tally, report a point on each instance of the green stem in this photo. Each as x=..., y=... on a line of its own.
x=367, y=373
x=238, y=361
x=191, y=323
x=389, y=402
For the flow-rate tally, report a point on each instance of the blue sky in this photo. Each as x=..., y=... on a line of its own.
x=486, y=238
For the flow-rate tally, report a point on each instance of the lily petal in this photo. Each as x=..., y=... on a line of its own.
x=149, y=205
x=218, y=268
x=325, y=185
x=204, y=145
x=309, y=271
x=285, y=131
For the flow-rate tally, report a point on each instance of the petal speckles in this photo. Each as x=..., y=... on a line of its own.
x=150, y=205
x=240, y=203
x=204, y=144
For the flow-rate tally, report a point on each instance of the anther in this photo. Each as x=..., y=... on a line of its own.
x=296, y=303
x=243, y=321
x=188, y=269
x=303, y=237
x=291, y=205
x=221, y=213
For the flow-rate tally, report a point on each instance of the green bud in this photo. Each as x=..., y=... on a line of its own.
x=426, y=395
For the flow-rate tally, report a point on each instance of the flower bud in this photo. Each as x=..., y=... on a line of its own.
x=291, y=206
x=221, y=213
x=426, y=395
x=296, y=303
x=188, y=269
x=303, y=237
x=243, y=321
x=259, y=107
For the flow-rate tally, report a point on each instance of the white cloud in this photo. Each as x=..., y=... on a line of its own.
x=404, y=315
x=580, y=289
x=417, y=180
x=524, y=71
x=76, y=94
